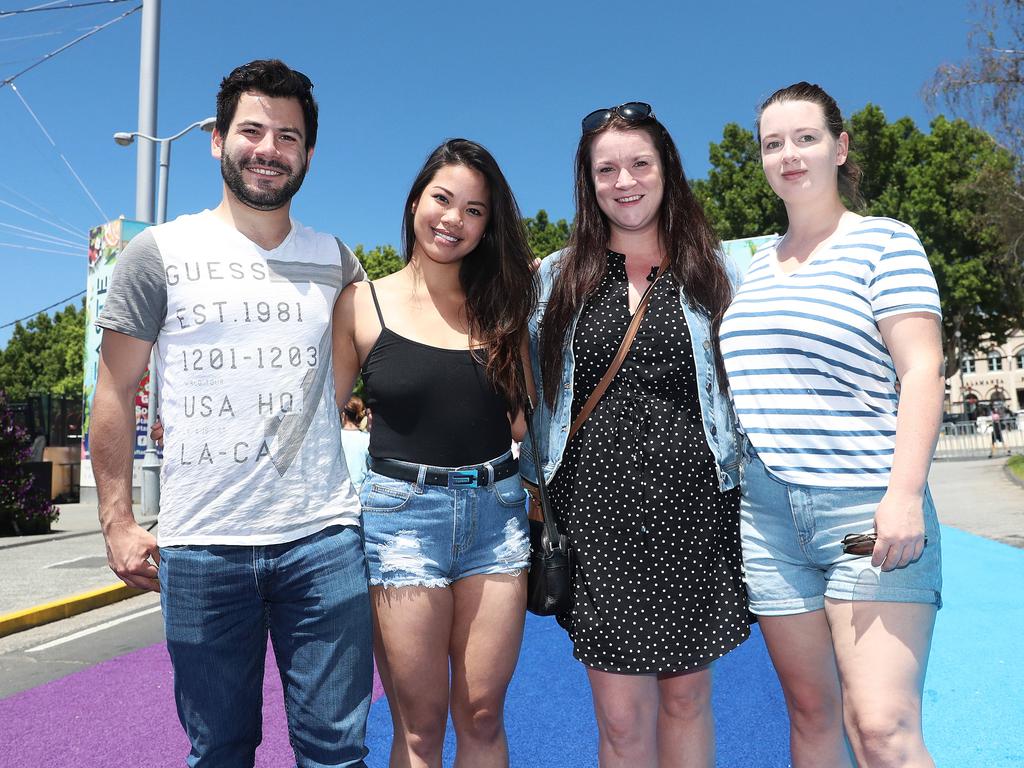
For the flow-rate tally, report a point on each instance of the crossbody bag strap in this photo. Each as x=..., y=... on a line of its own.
x=555, y=540
x=620, y=356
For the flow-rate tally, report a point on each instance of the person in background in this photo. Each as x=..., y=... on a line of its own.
x=834, y=356
x=438, y=344
x=355, y=438
x=997, y=433
x=646, y=490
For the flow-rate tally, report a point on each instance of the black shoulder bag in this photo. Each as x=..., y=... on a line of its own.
x=549, y=587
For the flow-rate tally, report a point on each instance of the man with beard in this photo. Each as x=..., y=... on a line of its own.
x=259, y=521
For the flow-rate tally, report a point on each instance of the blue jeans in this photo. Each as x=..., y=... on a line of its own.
x=218, y=603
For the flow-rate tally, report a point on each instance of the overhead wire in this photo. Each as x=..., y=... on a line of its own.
x=61, y=154
x=40, y=218
x=37, y=35
x=39, y=250
x=45, y=5
x=44, y=209
x=55, y=7
x=80, y=38
x=44, y=309
x=32, y=234
x=42, y=237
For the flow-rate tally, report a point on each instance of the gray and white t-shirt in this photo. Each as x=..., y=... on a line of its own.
x=252, y=447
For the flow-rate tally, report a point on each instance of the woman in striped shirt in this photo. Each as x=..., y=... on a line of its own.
x=834, y=355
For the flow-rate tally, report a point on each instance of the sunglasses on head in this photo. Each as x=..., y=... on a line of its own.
x=631, y=112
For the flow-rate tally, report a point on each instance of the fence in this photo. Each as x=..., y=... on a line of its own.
x=973, y=440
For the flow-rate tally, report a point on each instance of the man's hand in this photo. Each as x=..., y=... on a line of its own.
x=129, y=551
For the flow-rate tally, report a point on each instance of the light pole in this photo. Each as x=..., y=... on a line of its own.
x=960, y=359
x=151, y=461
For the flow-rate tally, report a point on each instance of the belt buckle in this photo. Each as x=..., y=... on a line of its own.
x=464, y=478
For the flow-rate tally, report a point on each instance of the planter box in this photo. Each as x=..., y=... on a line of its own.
x=9, y=528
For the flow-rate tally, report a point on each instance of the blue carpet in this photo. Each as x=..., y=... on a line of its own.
x=973, y=714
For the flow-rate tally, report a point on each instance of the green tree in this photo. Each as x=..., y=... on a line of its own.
x=941, y=184
x=736, y=197
x=46, y=355
x=544, y=236
x=379, y=261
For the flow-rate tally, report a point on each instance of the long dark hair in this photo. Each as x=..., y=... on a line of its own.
x=693, y=249
x=496, y=276
x=850, y=172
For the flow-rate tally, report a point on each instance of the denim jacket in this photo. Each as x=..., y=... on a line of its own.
x=551, y=425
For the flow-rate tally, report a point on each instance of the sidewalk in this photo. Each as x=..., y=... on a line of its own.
x=60, y=574
x=976, y=496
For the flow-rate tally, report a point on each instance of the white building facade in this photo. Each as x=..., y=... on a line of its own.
x=990, y=378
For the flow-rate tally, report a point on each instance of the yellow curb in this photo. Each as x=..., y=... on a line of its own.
x=65, y=607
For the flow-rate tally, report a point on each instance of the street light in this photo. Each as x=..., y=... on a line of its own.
x=126, y=138
x=151, y=461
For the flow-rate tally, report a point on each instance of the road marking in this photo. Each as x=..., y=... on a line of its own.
x=93, y=630
x=85, y=561
x=67, y=562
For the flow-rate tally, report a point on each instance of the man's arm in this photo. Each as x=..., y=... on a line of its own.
x=346, y=358
x=123, y=359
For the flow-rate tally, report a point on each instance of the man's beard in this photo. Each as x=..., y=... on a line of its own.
x=254, y=197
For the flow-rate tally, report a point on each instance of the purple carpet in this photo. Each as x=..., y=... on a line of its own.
x=121, y=713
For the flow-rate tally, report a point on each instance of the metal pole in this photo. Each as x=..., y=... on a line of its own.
x=165, y=172
x=963, y=395
x=151, y=459
x=149, y=65
x=149, y=70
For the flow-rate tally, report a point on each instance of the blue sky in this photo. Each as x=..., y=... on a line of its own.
x=395, y=78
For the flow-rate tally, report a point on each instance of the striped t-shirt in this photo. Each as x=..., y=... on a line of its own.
x=813, y=382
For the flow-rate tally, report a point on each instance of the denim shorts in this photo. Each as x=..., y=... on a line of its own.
x=419, y=535
x=792, y=547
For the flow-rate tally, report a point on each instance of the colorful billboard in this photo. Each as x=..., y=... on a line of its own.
x=105, y=244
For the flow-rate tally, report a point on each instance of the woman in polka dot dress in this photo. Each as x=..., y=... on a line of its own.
x=646, y=490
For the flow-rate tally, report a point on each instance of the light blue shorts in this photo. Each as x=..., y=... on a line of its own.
x=430, y=535
x=792, y=547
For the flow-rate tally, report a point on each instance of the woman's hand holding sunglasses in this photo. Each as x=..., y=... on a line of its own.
x=899, y=537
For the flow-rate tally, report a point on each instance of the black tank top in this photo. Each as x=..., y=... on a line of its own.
x=431, y=405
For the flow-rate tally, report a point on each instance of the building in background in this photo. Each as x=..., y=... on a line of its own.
x=990, y=378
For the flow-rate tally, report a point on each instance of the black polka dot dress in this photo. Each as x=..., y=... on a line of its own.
x=657, y=583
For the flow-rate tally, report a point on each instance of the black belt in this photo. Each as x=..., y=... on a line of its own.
x=465, y=477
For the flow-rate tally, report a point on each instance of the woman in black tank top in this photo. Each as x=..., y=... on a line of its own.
x=444, y=516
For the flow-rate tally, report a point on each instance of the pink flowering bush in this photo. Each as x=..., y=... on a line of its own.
x=23, y=507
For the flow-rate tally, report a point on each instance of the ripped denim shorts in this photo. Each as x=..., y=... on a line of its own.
x=420, y=535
